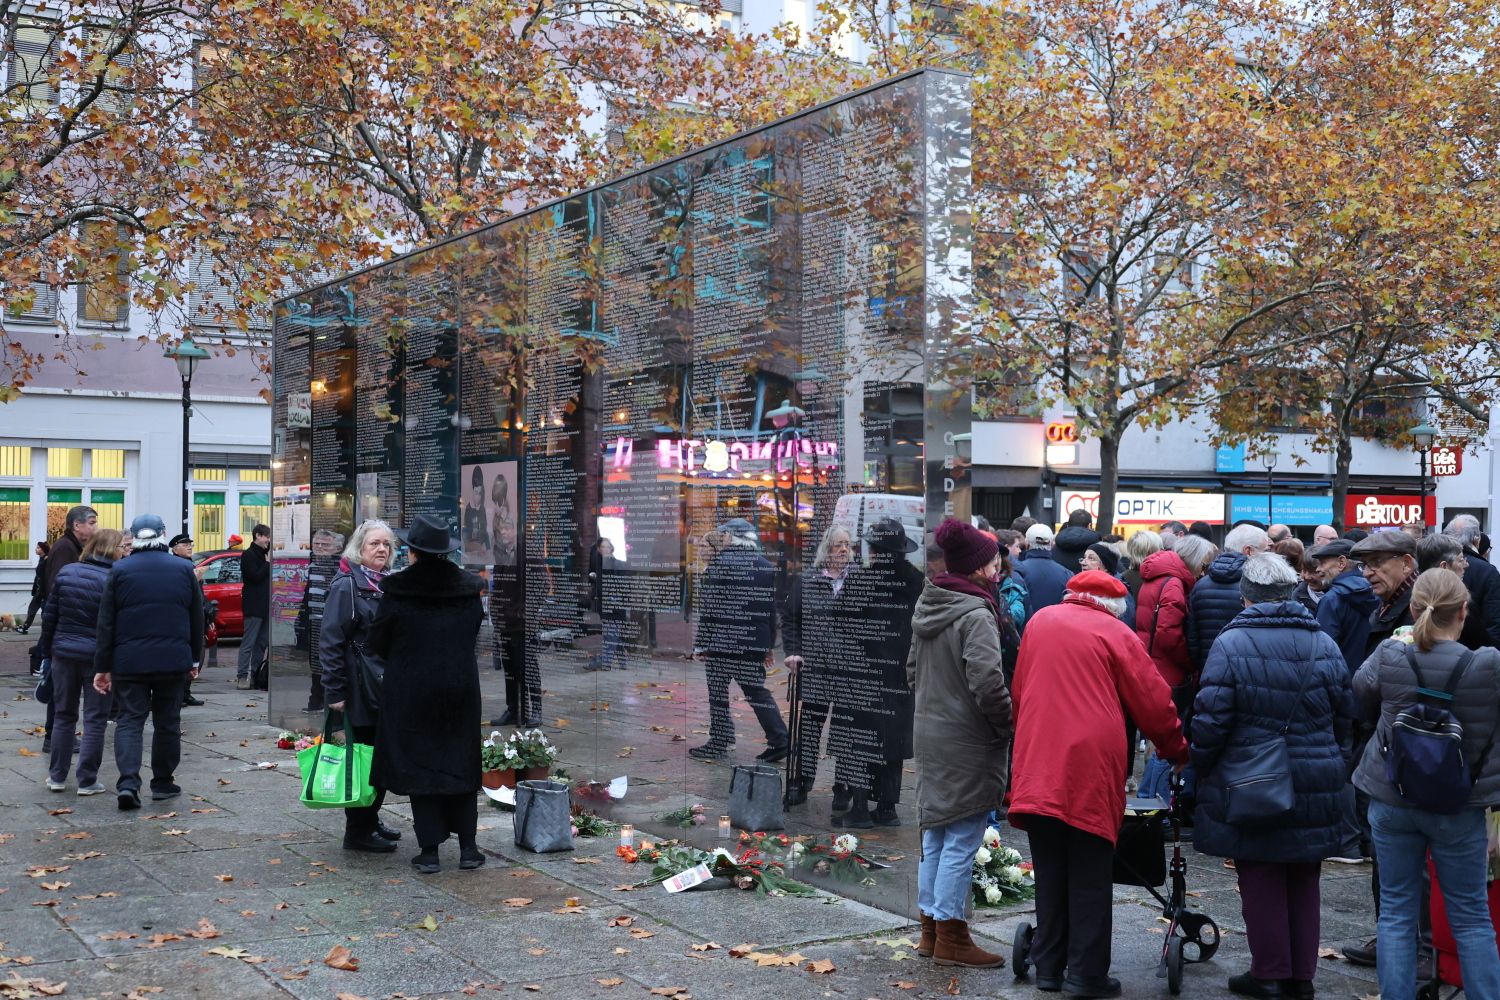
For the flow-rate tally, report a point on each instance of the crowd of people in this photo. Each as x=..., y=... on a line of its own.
x=1020, y=672
x=1351, y=660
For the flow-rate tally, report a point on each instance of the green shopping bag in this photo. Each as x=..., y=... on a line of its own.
x=333, y=776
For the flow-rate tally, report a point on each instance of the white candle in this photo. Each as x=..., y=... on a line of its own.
x=724, y=828
x=627, y=835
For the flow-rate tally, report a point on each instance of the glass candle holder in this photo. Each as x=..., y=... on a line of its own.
x=725, y=828
x=627, y=835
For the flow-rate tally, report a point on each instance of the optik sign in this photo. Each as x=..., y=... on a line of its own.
x=1151, y=508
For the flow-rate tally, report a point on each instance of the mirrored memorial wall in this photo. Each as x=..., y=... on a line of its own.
x=678, y=423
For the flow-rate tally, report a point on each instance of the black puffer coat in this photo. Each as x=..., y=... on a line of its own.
x=1214, y=602
x=427, y=739
x=1072, y=542
x=1248, y=692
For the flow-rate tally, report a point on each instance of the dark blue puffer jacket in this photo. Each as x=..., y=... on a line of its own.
x=72, y=611
x=1248, y=692
x=1214, y=602
x=151, y=616
x=1045, y=579
x=1344, y=613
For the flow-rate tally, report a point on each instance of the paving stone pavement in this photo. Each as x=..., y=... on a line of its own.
x=134, y=904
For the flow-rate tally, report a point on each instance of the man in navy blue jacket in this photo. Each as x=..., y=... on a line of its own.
x=1045, y=577
x=149, y=643
x=1344, y=611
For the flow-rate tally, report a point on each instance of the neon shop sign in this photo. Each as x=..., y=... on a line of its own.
x=693, y=454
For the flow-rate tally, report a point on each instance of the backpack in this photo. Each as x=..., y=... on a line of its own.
x=1424, y=752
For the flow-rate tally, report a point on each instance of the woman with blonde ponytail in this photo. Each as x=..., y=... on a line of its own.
x=1437, y=671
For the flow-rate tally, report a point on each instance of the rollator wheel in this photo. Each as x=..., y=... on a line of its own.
x=1174, y=965
x=1208, y=940
x=1020, y=952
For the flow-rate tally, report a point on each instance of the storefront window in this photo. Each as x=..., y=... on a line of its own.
x=109, y=463
x=15, y=522
x=15, y=461
x=255, y=475
x=208, y=521
x=209, y=475
x=110, y=506
x=59, y=502
x=64, y=463
x=255, y=508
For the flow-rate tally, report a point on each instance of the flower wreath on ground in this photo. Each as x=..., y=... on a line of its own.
x=750, y=869
x=838, y=856
x=1000, y=875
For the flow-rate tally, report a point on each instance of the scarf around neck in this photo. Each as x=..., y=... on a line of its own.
x=963, y=585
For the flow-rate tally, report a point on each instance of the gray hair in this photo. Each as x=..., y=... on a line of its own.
x=1267, y=576
x=1142, y=544
x=1195, y=551
x=1465, y=528
x=1245, y=536
x=1114, y=605
x=357, y=540
x=820, y=558
x=1437, y=551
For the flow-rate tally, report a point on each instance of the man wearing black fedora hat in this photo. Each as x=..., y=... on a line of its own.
x=425, y=631
x=878, y=724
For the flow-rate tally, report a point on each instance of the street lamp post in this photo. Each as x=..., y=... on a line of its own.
x=187, y=355
x=1423, y=435
x=1268, y=458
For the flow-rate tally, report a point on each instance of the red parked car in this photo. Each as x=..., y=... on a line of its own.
x=220, y=573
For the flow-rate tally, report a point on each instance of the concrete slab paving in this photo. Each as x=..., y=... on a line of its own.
x=295, y=893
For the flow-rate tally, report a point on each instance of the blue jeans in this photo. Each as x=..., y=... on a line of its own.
x=1459, y=852
x=946, y=871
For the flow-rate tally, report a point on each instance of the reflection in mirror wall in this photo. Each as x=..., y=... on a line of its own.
x=693, y=427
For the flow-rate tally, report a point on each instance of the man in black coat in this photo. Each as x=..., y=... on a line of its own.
x=1073, y=540
x=876, y=715
x=255, y=600
x=78, y=528
x=736, y=631
x=1482, y=579
x=425, y=745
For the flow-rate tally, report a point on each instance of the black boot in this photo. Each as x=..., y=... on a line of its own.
x=858, y=816
x=885, y=815
x=1246, y=985
x=841, y=797
x=425, y=863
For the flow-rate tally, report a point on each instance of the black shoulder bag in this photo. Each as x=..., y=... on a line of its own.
x=1257, y=777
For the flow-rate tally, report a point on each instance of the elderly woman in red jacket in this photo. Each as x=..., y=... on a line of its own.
x=1081, y=671
x=1161, y=618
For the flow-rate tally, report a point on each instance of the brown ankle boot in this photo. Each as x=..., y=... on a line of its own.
x=929, y=936
x=955, y=947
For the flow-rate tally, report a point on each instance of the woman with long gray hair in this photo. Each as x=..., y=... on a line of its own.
x=353, y=598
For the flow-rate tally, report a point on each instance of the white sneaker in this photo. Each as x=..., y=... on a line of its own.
x=93, y=789
x=56, y=786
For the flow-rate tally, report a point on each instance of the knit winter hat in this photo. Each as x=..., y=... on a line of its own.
x=1096, y=584
x=1108, y=556
x=965, y=547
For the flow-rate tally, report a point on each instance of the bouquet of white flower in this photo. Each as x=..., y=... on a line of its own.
x=1000, y=876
